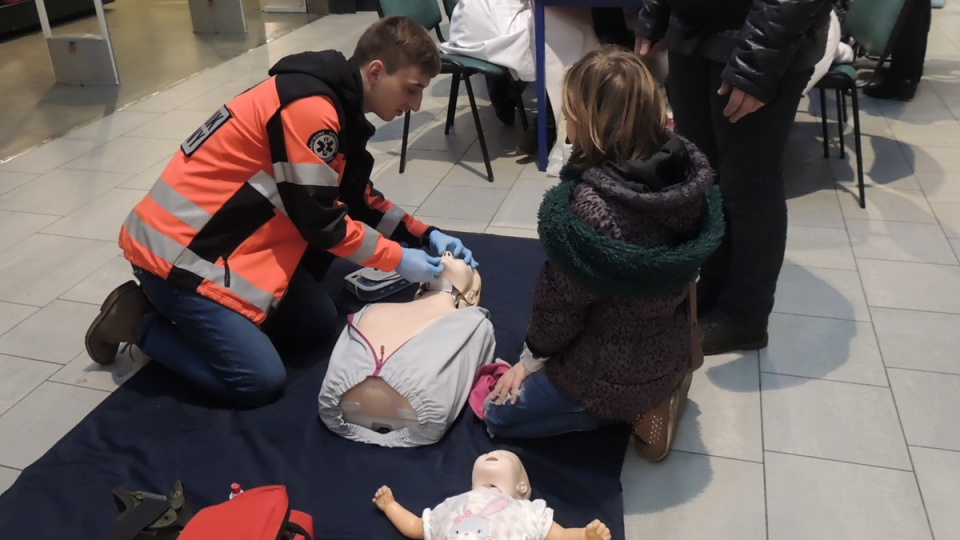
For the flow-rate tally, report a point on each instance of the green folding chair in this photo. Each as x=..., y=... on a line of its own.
x=873, y=25
x=460, y=67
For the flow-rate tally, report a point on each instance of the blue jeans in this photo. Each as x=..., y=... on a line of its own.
x=224, y=352
x=540, y=411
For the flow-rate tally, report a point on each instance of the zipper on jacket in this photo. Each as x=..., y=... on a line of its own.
x=226, y=272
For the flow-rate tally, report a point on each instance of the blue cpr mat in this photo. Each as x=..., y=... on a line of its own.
x=156, y=429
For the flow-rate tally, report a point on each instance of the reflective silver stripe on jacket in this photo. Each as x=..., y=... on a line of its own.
x=267, y=186
x=177, y=255
x=367, y=248
x=307, y=174
x=390, y=220
x=172, y=201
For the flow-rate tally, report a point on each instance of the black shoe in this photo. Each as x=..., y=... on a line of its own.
x=900, y=90
x=528, y=139
x=118, y=322
x=720, y=337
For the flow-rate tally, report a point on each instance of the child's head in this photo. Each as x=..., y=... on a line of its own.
x=397, y=58
x=613, y=108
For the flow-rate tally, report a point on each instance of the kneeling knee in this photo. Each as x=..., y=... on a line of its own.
x=258, y=389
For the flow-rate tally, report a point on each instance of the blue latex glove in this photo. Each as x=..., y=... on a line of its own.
x=440, y=242
x=417, y=266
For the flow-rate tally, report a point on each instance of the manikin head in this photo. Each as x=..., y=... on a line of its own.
x=502, y=470
x=459, y=279
x=397, y=58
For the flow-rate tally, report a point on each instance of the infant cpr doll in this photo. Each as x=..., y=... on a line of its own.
x=498, y=506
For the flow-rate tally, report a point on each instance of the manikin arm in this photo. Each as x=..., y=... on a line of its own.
x=596, y=530
x=404, y=520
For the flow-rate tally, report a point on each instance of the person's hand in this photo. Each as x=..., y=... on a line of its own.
x=508, y=386
x=740, y=103
x=417, y=266
x=642, y=46
x=596, y=530
x=383, y=497
x=441, y=242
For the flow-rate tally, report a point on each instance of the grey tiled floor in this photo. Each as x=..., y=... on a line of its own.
x=846, y=426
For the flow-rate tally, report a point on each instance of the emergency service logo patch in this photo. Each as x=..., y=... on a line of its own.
x=324, y=144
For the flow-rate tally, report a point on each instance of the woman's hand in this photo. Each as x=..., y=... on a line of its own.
x=508, y=386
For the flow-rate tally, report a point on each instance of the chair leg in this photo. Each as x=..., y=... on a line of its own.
x=839, y=98
x=856, y=139
x=403, y=145
x=476, y=120
x=823, y=122
x=521, y=110
x=843, y=101
x=452, y=103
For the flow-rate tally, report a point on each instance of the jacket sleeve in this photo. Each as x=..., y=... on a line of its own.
x=309, y=186
x=770, y=38
x=368, y=205
x=560, y=308
x=653, y=20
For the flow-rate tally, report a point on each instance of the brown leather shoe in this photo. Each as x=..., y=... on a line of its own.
x=655, y=430
x=118, y=322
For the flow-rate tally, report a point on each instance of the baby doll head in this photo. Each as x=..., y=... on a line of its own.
x=502, y=470
x=459, y=278
x=613, y=109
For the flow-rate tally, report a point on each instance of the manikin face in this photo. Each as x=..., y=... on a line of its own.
x=390, y=96
x=502, y=470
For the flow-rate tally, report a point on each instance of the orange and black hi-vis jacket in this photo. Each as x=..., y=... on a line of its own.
x=279, y=171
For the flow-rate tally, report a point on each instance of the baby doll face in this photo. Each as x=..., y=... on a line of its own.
x=501, y=469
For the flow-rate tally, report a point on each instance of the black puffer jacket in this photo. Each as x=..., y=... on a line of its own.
x=758, y=40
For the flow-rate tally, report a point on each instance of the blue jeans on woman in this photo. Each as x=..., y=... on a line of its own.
x=224, y=352
x=540, y=411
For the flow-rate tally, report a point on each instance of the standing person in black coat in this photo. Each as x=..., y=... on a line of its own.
x=737, y=70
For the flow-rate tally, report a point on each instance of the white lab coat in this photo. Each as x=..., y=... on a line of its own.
x=501, y=32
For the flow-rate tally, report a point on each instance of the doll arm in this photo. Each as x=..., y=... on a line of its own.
x=596, y=530
x=404, y=520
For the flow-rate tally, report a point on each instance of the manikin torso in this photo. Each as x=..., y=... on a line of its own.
x=387, y=326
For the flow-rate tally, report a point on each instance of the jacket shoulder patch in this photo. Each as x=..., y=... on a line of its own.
x=324, y=144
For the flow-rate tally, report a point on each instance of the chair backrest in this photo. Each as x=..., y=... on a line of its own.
x=425, y=12
x=874, y=24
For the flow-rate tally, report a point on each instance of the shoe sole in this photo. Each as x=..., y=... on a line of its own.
x=105, y=308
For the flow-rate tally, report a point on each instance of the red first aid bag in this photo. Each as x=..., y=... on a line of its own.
x=261, y=513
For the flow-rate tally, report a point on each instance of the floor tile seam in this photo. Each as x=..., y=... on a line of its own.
x=927, y=447
x=9, y=468
x=929, y=371
x=707, y=454
x=821, y=316
x=31, y=359
x=763, y=448
x=34, y=389
x=821, y=379
x=877, y=258
x=844, y=461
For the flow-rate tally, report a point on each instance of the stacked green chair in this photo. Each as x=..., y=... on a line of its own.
x=460, y=67
x=873, y=25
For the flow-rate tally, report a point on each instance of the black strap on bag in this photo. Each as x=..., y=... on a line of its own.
x=291, y=530
x=149, y=516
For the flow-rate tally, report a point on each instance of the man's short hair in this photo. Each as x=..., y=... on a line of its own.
x=398, y=42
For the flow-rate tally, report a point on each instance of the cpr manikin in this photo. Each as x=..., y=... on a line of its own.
x=497, y=506
x=401, y=372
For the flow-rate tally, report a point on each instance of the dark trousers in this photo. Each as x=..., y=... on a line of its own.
x=740, y=278
x=910, y=45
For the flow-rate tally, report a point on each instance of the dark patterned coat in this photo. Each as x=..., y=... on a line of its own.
x=620, y=355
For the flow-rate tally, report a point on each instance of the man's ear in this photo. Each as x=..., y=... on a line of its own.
x=374, y=70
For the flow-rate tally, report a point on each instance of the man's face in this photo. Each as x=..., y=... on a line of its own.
x=392, y=95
